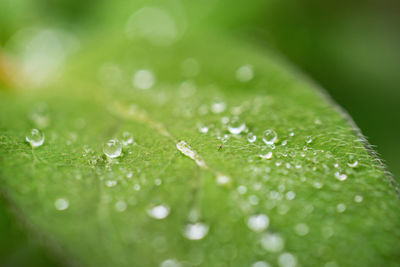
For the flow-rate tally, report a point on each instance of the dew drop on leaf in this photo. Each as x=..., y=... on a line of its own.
x=61, y=204
x=245, y=73
x=195, y=231
x=258, y=222
x=112, y=148
x=236, y=126
x=127, y=138
x=270, y=137
x=272, y=242
x=158, y=212
x=35, y=138
x=143, y=79
x=251, y=137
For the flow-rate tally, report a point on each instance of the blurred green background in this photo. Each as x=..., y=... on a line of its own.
x=351, y=48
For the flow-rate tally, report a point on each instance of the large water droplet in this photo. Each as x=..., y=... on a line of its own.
x=270, y=137
x=236, y=126
x=258, y=222
x=112, y=148
x=158, y=212
x=143, y=79
x=195, y=231
x=35, y=138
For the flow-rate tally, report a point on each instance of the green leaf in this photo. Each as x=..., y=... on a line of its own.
x=316, y=196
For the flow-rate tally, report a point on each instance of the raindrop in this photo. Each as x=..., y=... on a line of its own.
x=272, y=242
x=242, y=189
x=340, y=176
x=195, y=231
x=35, y=138
x=120, y=206
x=245, y=73
x=287, y=260
x=127, y=138
x=111, y=183
x=112, y=148
x=61, y=204
x=308, y=139
x=302, y=229
x=290, y=195
x=159, y=212
x=258, y=222
x=270, y=137
x=251, y=137
x=143, y=79
x=236, y=126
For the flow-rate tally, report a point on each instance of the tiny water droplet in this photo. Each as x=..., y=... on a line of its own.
x=202, y=128
x=195, y=231
x=111, y=183
x=242, y=189
x=245, y=73
x=112, y=148
x=61, y=204
x=158, y=212
x=353, y=164
x=35, y=138
x=127, y=138
x=251, y=137
x=266, y=156
x=290, y=195
x=236, y=126
x=308, y=139
x=223, y=179
x=258, y=222
x=143, y=79
x=340, y=176
x=272, y=242
x=270, y=137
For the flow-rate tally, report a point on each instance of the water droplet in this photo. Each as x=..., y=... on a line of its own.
x=258, y=222
x=302, y=229
x=290, y=195
x=127, y=138
x=341, y=207
x=287, y=260
x=260, y=264
x=223, y=179
x=143, y=79
x=202, y=128
x=270, y=137
x=340, y=176
x=245, y=73
x=308, y=139
x=35, y=138
x=111, y=183
x=266, y=156
x=61, y=204
x=218, y=107
x=157, y=181
x=272, y=242
x=224, y=120
x=158, y=212
x=251, y=137
x=170, y=263
x=195, y=231
x=358, y=198
x=353, y=164
x=236, y=126
x=186, y=150
x=120, y=206
x=112, y=148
